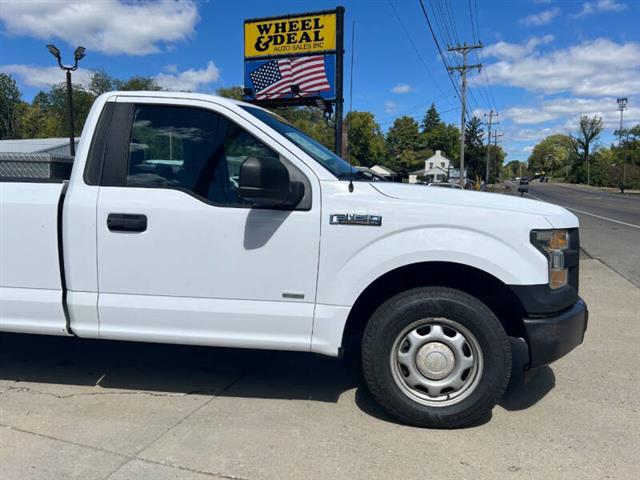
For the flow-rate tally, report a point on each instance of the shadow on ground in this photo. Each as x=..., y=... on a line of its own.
x=209, y=371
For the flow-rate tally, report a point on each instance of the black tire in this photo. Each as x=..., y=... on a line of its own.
x=401, y=312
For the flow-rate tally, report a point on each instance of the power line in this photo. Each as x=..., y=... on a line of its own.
x=415, y=48
x=481, y=55
x=475, y=32
x=435, y=40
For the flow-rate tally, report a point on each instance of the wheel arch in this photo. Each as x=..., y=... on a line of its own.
x=497, y=295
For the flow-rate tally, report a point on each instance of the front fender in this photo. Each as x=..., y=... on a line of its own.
x=345, y=276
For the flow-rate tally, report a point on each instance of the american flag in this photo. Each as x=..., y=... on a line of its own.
x=274, y=79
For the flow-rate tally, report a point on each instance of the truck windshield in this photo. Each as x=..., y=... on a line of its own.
x=329, y=160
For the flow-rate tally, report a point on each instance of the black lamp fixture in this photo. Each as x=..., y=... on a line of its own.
x=77, y=56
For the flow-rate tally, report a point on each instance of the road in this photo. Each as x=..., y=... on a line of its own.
x=609, y=224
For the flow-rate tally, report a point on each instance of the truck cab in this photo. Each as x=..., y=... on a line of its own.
x=200, y=220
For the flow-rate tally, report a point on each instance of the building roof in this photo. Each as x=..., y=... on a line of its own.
x=380, y=169
x=429, y=171
x=36, y=145
x=438, y=155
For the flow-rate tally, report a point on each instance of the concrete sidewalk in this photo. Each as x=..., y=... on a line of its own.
x=78, y=409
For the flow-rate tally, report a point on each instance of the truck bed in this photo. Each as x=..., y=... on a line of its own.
x=30, y=280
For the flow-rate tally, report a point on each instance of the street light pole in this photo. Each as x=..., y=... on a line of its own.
x=72, y=141
x=622, y=105
x=77, y=56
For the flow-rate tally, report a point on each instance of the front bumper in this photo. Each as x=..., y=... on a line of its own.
x=552, y=337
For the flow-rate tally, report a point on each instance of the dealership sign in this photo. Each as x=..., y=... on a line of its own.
x=291, y=58
x=291, y=35
x=296, y=60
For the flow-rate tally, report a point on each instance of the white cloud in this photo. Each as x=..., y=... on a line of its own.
x=543, y=18
x=514, y=51
x=402, y=88
x=191, y=79
x=108, y=26
x=171, y=79
x=44, y=77
x=390, y=107
x=597, y=6
x=599, y=67
x=530, y=134
x=528, y=115
x=570, y=109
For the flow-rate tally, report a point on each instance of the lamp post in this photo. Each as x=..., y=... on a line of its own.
x=622, y=106
x=77, y=56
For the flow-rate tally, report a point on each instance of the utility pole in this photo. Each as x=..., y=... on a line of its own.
x=464, y=49
x=491, y=115
x=496, y=135
x=622, y=105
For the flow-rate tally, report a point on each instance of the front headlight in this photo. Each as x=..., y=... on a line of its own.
x=553, y=244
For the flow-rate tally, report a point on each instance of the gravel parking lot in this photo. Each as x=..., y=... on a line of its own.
x=85, y=409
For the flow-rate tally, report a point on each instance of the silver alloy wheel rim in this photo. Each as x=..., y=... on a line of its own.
x=436, y=362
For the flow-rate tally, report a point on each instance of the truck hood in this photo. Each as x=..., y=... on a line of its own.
x=558, y=217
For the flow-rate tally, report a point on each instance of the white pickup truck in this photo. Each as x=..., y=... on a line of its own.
x=193, y=219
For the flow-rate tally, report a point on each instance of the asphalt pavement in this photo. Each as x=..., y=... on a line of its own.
x=89, y=409
x=609, y=223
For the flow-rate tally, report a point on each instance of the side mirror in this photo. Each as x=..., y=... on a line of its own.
x=265, y=183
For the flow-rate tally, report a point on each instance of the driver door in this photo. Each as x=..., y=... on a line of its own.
x=181, y=257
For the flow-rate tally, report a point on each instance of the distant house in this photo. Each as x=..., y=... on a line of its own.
x=378, y=172
x=370, y=173
x=386, y=173
x=436, y=169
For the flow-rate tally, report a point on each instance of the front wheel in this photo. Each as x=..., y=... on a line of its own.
x=436, y=357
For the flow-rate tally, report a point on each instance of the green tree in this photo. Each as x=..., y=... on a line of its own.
x=445, y=137
x=235, y=93
x=366, y=142
x=137, y=83
x=497, y=157
x=474, y=133
x=101, y=82
x=553, y=154
x=431, y=119
x=56, y=107
x=514, y=168
x=584, y=143
x=403, y=135
x=10, y=101
x=475, y=156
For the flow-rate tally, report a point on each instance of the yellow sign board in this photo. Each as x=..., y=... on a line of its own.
x=291, y=35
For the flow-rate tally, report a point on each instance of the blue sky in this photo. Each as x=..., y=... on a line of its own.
x=545, y=61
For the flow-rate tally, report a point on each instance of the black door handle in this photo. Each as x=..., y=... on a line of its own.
x=126, y=222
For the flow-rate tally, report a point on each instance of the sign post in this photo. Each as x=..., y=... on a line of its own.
x=339, y=78
x=297, y=60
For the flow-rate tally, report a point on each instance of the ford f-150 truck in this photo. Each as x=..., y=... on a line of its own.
x=193, y=219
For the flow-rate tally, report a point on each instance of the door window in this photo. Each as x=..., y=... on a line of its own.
x=191, y=149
